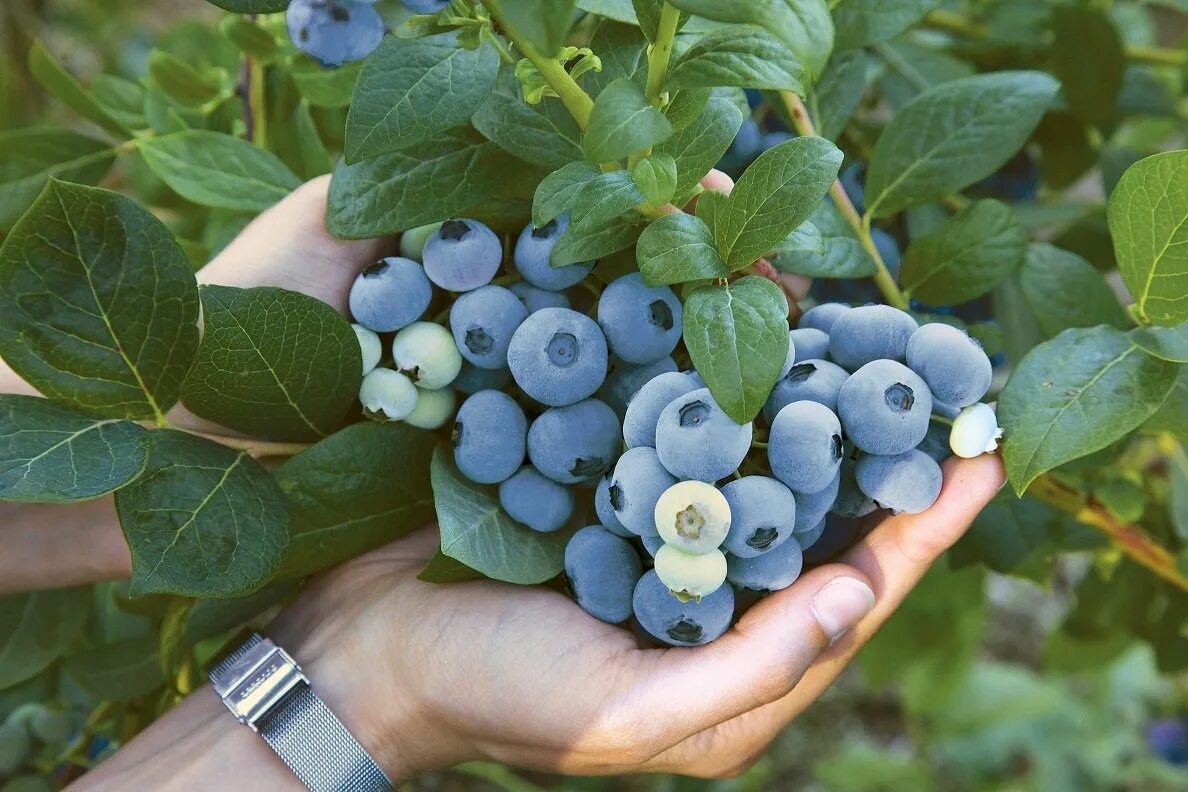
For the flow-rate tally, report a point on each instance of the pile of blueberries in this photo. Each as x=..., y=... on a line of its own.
x=572, y=395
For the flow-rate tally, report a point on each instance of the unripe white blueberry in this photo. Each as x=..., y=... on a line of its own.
x=387, y=395
x=690, y=575
x=693, y=517
x=370, y=346
x=412, y=241
x=426, y=353
x=975, y=431
x=434, y=408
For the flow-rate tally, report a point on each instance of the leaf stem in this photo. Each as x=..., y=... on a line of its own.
x=660, y=52
x=504, y=55
x=256, y=448
x=861, y=225
x=256, y=102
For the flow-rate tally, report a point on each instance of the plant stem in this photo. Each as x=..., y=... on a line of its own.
x=1131, y=539
x=575, y=99
x=661, y=51
x=255, y=448
x=1156, y=55
x=504, y=55
x=861, y=226
x=256, y=103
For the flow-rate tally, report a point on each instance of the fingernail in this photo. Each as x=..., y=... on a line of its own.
x=840, y=604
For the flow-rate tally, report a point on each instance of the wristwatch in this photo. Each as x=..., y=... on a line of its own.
x=265, y=689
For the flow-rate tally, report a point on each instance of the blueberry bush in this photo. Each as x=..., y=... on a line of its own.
x=957, y=227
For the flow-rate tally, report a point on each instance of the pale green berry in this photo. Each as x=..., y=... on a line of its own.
x=690, y=575
x=412, y=241
x=370, y=346
x=434, y=408
x=426, y=353
x=15, y=745
x=693, y=517
x=387, y=395
x=975, y=431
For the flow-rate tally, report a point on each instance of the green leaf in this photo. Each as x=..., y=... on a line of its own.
x=1167, y=343
x=412, y=90
x=50, y=453
x=273, y=363
x=804, y=25
x=685, y=107
x=556, y=193
x=623, y=122
x=656, y=177
x=952, y=136
x=777, y=193
x=36, y=628
x=1010, y=536
x=1170, y=417
x=118, y=671
x=61, y=85
x=204, y=521
x=678, y=248
x=98, y=305
x=477, y=533
x=737, y=336
x=357, y=489
x=544, y=133
x=443, y=569
x=180, y=81
x=860, y=23
x=1087, y=56
x=250, y=38
x=422, y=184
x=1148, y=216
x=543, y=23
x=206, y=618
x=696, y=148
x=121, y=99
x=252, y=6
x=805, y=239
x=314, y=159
x=836, y=95
x=29, y=157
x=966, y=256
x=214, y=169
x=602, y=199
x=914, y=69
x=746, y=56
x=843, y=255
x=1066, y=291
x=590, y=241
x=621, y=49
x=323, y=87
x=1075, y=394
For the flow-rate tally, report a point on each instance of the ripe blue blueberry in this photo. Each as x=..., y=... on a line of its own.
x=851, y=503
x=809, y=343
x=412, y=241
x=773, y=139
x=953, y=364
x=472, y=379
x=371, y=349
x=387, y=395
x=807, y=539
x=762, y=515
x=811, y=508
x=390, y=294
x=490, y=437
x=789, y=357
x=745, y=147
x=905, y=483
x=625, y=379
x=805, y=446
x=462, y=255
x=425, y=6
x=870, y=332
x=693, y=517
x=604, y=509
x=839, y=535
x=695, y=439
x=652, y=544
x=853, y=180
x=885, y=408
x=636, y=486
x=936, y=441
x=643, y=411
x=334, y=32
x=534, y=299
x=888, y=250
x=677, y=623
x=538, y=502
x=603, y=570
x=483, y=322
x=532, y=257
x=558, y=356
x=688, y=575
x=809, y=380
x=434, y=408
x=576, y=442
x=774, y=570
x=642, y=323
x=425, y=352
x=821, y=317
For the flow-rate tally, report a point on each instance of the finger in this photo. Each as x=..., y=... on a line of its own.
x=714, y=180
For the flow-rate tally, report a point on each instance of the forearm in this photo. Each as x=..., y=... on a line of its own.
x=60, y=544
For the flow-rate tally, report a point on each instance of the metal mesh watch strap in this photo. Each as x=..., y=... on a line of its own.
x=300, y=728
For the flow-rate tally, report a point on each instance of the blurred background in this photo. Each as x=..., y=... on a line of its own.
x=1068, y=673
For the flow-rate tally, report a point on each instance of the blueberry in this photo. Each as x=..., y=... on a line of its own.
x=839, y=535
x=811, y=508
x=888, y=250
x=472, y=379
x=870, y=332
x=807, y=539
x=483, y=322
x=821, y=317
x=576, y=442
x=387, y=395
x=677, y=623
x=603, y=570
x=975, y=431
x=789, y=357
x=532, y=257
x=425, y=6
x=885, y=408
x=558, y=356
x=390, y=294
x=809, y=380
x=853, y=180
x=909, y=482
x=334, y=32
x=642, y=323
x=604, y=509
x=1168, y=738
x=744, y=148
x=636, y=486
x=772, y=139
x=695, y=439
x=652, y=544
x=690, y=575
x=693, y=517
x=534, y=299
x=851, y=502
x=805, y=446
x=809, y=343
x=695, y=377
x=538, y=502
x=434, y=408
x=426, y=353
x=643, y=411
x=462, y=255
x=956, y=369
x=370, y=347
x=490, y=436
x=936, y=441
x=762, y=515
x=412, y=241
x=771, y=571
x=625, y=379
